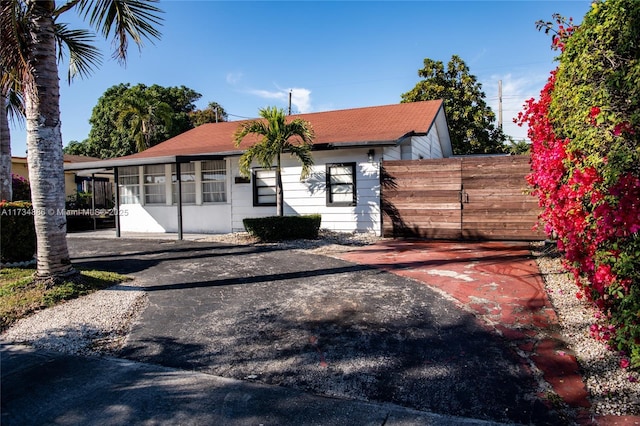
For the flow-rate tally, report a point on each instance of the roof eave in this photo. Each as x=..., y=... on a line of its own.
x=338, y=145
x=144, y=161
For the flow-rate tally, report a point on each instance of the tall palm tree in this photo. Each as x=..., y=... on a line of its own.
x=278, y=136
x=6, y=190
x=28, y=48
x=143, y=116
x=82, y=57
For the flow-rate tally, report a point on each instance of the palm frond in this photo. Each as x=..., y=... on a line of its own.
x=83, y=56
x=135, y=19
x=303, y=154
x=249, y=127
x=15, y=44
x=15, y=106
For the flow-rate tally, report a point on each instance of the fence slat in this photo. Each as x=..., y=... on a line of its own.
x=467, y=197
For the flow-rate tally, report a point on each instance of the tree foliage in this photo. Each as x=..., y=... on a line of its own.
x=585, y=132
x=165, y=110
x=470, y=119
x=213, y=113
x=144, y=118
x=279, y=135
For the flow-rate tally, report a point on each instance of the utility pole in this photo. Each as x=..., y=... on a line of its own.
x=216, y=110
x=499, y=104
x=290, y=102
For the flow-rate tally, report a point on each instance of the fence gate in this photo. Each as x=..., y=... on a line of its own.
x=459, y=198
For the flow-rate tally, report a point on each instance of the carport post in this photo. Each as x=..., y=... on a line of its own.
x=117, y=198
x=93, y=200
x=179, y=180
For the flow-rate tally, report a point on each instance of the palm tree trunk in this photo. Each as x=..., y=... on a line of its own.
x=6, y=189
x=279, y=192
x=44, y=146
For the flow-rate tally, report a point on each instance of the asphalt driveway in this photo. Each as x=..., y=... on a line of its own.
x=316, y=324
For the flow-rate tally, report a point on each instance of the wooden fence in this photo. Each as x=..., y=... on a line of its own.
x=459, y=198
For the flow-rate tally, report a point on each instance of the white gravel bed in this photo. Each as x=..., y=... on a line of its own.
x=612, y=389
x=99, y=323
x=93, y=324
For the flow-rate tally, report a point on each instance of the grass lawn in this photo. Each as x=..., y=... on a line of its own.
x=21, y=295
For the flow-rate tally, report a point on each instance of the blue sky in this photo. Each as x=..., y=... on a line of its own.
x=330, y=54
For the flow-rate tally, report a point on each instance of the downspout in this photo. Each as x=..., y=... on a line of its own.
x=179, y=181
x=117, y=198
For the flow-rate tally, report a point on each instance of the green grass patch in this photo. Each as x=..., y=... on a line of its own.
x=21, y=294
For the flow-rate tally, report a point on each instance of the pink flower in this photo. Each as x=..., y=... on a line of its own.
x=624, y=363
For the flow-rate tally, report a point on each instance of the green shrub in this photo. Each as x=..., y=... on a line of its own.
x=17, y=232
x=279, y=228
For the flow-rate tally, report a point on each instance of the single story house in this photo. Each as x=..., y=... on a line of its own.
x=344, y=186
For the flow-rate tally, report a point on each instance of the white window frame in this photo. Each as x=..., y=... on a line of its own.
x=263, y=190
x=214, y=174
x=338, y=184
x=155, y=176
x=129, y=184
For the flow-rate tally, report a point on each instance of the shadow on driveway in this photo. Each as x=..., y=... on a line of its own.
x=316, y=324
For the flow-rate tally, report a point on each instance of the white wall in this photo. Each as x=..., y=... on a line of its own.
x=426, y=147
x=300, y=197
x=206, y=218
x=309, y=196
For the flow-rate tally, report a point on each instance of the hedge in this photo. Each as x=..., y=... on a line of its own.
x=17, y=231
x=279, y=228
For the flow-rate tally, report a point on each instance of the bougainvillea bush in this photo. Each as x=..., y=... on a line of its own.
x=585, y=133
x=21, y=189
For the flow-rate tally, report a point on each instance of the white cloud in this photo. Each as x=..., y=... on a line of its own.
x=301, y=100
x=265, y=94
x=300, y=97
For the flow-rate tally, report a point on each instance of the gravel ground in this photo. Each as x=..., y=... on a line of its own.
x=613, y=390
x=98, y=323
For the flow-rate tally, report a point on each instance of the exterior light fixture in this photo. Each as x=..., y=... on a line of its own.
x=370, y=155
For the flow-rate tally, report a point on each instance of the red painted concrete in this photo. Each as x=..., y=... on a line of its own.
x=500, y=284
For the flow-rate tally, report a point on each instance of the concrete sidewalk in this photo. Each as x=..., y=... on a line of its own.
x=40, y=387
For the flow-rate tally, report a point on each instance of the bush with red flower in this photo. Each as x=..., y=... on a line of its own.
x=20, y=187
x=585, y=160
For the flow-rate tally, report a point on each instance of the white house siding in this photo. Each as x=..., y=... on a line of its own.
x=392, y=153
x=426, y=147
x=309, y=196
x=300, y=197
x=242, y=200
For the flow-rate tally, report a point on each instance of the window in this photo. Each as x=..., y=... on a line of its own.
x=341, y=184
x=154, y=184
x=129, y=185
x=264, y=187
x=214, y=181
x=188, y=183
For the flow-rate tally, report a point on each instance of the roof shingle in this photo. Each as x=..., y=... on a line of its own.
x=371, y=124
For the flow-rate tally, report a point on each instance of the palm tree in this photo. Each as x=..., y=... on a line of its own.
x=6, y=191
x=143, y=115
x=28, y=51
x=82, y=57
x=279, y=136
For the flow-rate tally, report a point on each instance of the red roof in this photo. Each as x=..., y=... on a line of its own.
x=372, y=124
